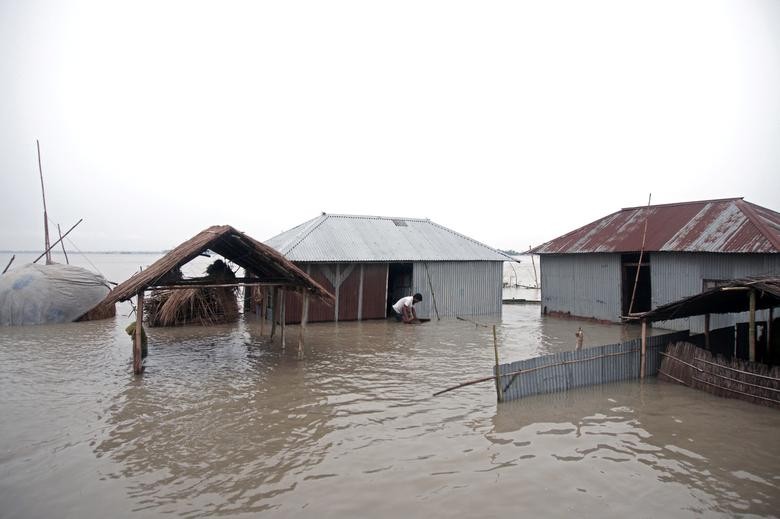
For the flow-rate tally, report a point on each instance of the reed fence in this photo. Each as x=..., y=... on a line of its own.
x=695, y=367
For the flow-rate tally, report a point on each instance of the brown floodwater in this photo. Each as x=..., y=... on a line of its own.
x=225, y=423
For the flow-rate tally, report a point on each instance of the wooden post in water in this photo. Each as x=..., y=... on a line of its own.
x=139, y=323
x=499, y=389
x=752, y=331
x=283, y=316
x=274, y=301
x=262, y=310
x=304, y=320
x=769, y=333
x=707, y=331
x=643, y=355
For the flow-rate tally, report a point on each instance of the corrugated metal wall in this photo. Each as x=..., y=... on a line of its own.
x=588, y=367
x=676, y=275
x=585, y=285
x=349, y=305
x=460, y=287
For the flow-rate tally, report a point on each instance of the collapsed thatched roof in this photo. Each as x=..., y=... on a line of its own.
x=732, y=297
x=261, y=261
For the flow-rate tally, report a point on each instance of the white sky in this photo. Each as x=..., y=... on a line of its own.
x=511, y=122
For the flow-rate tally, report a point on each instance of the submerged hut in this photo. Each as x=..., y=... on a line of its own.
x=264, y=268
x=369, y=262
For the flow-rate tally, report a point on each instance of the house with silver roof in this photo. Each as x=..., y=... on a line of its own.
x=369, y=262
x=640, y=258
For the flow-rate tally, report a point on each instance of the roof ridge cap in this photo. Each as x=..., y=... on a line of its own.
x=691, y=202
x=755, y=219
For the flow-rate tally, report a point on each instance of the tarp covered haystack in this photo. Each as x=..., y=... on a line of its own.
x=44, y=294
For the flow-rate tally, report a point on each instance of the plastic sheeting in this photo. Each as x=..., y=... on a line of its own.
x=44, y=294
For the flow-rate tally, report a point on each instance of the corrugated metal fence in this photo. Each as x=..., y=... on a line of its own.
x=591, y=366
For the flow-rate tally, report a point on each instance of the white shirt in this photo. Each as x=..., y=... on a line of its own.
x=404, y=301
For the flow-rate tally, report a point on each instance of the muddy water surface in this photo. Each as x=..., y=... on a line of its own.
x=225, y=423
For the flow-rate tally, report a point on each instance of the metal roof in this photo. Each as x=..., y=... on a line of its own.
x=729, y=225
x=351, y=238
x=731, y=297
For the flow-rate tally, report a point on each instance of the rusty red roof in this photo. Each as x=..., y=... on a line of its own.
x=729, y=225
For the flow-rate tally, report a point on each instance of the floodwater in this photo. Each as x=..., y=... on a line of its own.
x=226, y=423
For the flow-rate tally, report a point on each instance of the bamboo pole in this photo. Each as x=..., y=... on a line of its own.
x=262, y=310
x=433, y=296
x=464, y=384
x=641, y=253
x=139, y=318
x=643, y=355
x=56, y=242
x=752, y=331
x=499, y=389
x=45, y=213
x=304, y=320
x=283, y=317
x=9, y=264
x=59, y=231
x=274, y=300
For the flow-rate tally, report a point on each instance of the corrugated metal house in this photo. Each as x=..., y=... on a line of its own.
x=592, y=271
x=369, y=262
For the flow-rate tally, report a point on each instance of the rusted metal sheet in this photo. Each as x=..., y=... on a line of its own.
x=349, y=294
x=374, y=290
x=726, y=226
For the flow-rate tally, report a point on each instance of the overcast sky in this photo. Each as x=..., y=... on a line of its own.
x=511, y=122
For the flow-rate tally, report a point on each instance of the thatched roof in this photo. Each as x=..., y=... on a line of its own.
x=732, y=297
x=262, y=262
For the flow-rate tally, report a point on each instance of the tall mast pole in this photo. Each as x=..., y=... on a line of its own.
x=45, y=214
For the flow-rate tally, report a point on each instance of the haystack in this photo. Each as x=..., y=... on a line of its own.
x=204, y=306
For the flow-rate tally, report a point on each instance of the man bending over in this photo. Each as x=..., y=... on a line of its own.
x=404, y=308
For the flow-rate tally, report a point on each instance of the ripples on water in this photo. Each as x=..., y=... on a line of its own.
x=225, y=423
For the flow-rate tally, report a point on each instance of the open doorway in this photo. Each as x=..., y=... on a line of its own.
x=642, y=296
x=399, y=283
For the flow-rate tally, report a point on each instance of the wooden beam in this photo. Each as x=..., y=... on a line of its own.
x=643, y=355
x=707, y=331
x=274, y=305
x=283, y=316
x=752, y=331
x=262, y=310
x=304, y=320
x=138, y=367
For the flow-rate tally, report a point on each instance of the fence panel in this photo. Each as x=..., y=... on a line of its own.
x=591, y=366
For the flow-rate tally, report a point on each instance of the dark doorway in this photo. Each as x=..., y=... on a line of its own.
x=399, y=283
x=642, y=296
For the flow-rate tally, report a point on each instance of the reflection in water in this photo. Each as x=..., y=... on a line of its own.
x=225, y=423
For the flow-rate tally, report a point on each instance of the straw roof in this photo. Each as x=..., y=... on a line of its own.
x=261, y=261
x=731, y=297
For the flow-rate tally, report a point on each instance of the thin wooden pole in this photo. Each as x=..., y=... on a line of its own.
x=139, y=319
x=9, y=264
x=752, y=331
x=499, y=389
x=56, y=242
x=274, y=301
x=643, y=354
x=45, y=213
x=769, y=333
x=304, y=320
x=433, y=295
x=641, y=253
x=533, y=264
x=59, y=231
x=283, y=317
x=262, y=310
x=707, y=331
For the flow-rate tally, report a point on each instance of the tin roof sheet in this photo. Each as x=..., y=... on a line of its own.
x=729, y=225
x=351, y=238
